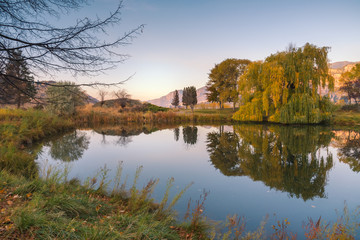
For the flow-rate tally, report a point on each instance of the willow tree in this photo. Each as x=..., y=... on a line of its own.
x=284, y=87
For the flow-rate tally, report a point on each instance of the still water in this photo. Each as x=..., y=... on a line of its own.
x=250, y=170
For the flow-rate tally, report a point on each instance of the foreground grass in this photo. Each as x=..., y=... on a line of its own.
x=53, y=208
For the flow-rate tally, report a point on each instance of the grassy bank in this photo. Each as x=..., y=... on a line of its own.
x=346, y=118
x=19, y=128
x=97, y=115
x=54, y=208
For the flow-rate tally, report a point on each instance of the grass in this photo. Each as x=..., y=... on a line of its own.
x=346, y=118
x=18, y=129
x=52, y=208
x=90, y=116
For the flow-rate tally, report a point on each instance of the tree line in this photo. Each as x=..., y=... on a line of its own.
x=283, y=88
x=189, y=98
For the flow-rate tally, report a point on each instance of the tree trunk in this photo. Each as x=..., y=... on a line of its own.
x=18, y=101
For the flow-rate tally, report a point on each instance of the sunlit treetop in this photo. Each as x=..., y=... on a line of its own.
x=285, y=87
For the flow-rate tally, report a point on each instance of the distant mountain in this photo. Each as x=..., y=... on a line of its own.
x=336, y=69
x=165, y=101
x=340, y=65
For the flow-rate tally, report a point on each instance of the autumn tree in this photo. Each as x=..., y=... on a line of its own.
x=223, y=78
x=175, y=101
x=189, y=97
x=284, y=87
x=17, y=85
x=350, y=83
x=81, y=48
x=64, y=98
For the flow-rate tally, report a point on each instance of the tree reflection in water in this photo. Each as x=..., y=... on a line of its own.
x=70, y=147
x=190, y=135
x=282, y=157
x=176, y=134
x=349, y=149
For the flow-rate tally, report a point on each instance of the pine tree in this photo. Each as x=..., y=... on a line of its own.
x=189, y=97
x=175, y=101
x=17, y=84
x=185, y=98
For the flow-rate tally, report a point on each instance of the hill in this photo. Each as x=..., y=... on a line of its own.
x=130, y=105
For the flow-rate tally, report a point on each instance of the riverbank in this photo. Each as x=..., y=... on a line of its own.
x=56, y=207
x=98, y=115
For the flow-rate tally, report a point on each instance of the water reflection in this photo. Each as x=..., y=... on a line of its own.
x=176, y=134
x=291, y=159
x=190, y=135
x=124, y=133
x=70, y=147
x=349, y=149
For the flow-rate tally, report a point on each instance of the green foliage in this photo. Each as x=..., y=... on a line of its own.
x=153, y=108
x=175, y=102
x=302, y=108
x=284, y=88
x=350, y=83
x=64, y=97
x=17, y=84
x=222, y=84
x=189, y=97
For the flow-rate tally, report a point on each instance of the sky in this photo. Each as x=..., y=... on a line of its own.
x=183, y=39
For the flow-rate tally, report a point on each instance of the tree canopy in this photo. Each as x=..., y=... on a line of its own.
x=189, y=97
x=350, y=83
x=284, y=87
x=175, y=100
x=17, y=87
x=64, y=97
x=223, y=78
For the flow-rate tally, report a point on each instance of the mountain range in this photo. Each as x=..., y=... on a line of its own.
x=336, y=69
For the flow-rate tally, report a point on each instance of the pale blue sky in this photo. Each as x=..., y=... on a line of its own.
x=182, y=40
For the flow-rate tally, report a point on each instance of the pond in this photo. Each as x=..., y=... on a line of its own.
x=250, y=170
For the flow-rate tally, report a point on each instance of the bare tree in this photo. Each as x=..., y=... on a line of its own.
x=102, y=95
x=122, y=95
x=48, y=49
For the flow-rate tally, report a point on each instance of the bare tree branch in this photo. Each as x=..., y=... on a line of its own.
x=48, y=49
